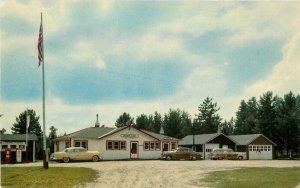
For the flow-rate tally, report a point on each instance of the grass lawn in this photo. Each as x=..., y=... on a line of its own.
x=40, y=177
x=255, y=177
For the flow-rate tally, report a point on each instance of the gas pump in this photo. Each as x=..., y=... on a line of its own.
x=19, y=155
x=7, y=159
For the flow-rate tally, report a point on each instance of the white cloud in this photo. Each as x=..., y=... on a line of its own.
x=70, y=118
x=247, y=24
x=285, y=75
x=85, y=51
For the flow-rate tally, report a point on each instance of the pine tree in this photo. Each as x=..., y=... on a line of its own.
x=207, y=120
x=19, y=127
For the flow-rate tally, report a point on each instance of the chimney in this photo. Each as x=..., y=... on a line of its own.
x=97, y=124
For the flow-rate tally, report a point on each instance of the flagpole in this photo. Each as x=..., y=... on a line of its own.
x=27, y=126
x=45, y=157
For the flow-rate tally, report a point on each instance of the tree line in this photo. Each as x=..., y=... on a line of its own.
x=278, y=118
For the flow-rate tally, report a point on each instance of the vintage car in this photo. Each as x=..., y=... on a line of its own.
x=181, y=153
x=75, y=154
x=224, y=154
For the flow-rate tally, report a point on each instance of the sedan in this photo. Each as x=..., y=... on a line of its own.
x=182, y=153
x=221, y=154
x=75, y=154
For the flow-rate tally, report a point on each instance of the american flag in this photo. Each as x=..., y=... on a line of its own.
x=40, y=44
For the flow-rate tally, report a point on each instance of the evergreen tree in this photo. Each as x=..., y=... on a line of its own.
x=227, y=127
x=123, y=119
x=142, y=122
x=247, y=117
x=288, y=118
x=156, y=122
x=267, y=115
x=177, y=123
x=19, y=127
x=207, y=120
x=51, y=137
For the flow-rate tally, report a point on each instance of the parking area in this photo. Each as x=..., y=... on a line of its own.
x=157, y=173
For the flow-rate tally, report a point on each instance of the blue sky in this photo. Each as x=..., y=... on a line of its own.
x=111, y=57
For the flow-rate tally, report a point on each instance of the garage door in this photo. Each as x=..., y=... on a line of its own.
x=209, y=148
x=260, y=152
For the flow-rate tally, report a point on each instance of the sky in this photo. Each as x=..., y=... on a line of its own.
x=110, y=57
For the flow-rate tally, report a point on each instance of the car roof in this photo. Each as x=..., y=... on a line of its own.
x=221, y=149
x=183, y=148
x=75, y=148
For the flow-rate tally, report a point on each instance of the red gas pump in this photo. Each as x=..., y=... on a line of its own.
x=7, y=159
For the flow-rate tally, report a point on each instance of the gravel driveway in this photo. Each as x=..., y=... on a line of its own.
x=156, y=173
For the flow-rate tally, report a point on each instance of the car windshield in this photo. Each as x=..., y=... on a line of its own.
x=66, y=150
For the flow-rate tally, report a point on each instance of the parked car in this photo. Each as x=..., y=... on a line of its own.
x=224, y=154
x=75, y=154
x=182, y=153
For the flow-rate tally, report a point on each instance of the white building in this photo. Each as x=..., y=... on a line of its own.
x=131, y=143
x=125, y=142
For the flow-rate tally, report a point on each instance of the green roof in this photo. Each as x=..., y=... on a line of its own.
x=18, y=137
x=158, y=136
x=247, y=139
x=91, y=132
x=112, y=132
x=199, y=139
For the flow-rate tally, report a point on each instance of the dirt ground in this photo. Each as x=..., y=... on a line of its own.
x=156, y=173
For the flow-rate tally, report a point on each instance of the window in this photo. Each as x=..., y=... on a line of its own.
x=77, y=143
x=109, y=145
x=115, y=145
x=13, y=146
x=173, y=145
x=81, y=143
x=82, y=150
x=66, y=150
x=146, y=146
x=208, y=150
x=269, y=148
x=122, y=145
x=84, y=144
x=4, y=146
x=250, y=148
x=152, y=145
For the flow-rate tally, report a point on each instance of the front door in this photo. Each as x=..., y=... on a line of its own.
x=134, y=151
x=165, y=146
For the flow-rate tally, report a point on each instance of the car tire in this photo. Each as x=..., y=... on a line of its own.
x=169, y=158
x=66, y=159
x=95, y=158
x=240, y=158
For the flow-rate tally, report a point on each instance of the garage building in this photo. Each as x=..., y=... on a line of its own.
x=205, y=143
x=256, y=146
